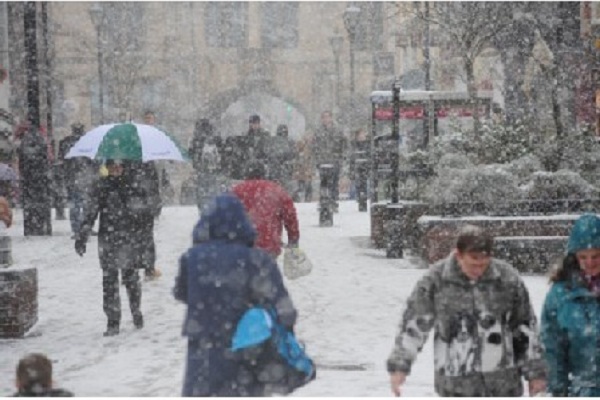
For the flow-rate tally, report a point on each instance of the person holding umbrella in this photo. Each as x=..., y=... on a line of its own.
x=113, y=199
x=117, y=201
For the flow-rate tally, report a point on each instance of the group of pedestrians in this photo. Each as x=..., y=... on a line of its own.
x=486, y=335
x=292, y=164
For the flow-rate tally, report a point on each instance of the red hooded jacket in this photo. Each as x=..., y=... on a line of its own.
x=269, y=208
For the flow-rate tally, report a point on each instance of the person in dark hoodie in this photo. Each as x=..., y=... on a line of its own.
x=116, y=199
x=205, y=152
x=34, y=378
x=220, y=277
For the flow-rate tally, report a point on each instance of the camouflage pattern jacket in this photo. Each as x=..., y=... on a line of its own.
x=485, y=332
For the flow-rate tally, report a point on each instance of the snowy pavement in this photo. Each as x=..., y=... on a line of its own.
x=349, y=306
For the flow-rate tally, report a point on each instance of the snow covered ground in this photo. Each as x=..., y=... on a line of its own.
x=350, y=307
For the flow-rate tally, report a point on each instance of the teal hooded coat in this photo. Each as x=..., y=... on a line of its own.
x=570, y=332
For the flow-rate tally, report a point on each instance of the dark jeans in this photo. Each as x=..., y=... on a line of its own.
x=333, y=182
x=304, y=191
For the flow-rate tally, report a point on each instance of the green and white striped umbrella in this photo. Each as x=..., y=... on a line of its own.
x=128, y=141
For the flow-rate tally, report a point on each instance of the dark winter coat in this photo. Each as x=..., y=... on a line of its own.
x=146, y=186
x=281, y=156
x=239, y=151
x=122, y=207
x=485, y=332
x=329, y=146
x=219, y=278
x=270, y=208
x=570, y=332
x=361, y=150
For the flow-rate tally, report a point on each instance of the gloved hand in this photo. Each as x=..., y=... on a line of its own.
x=292, y=245
x=80, y=247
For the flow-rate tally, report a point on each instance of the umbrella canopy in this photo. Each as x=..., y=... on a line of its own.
x=129, y=141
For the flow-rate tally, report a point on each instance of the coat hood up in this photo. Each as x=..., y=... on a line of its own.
x=224, y=219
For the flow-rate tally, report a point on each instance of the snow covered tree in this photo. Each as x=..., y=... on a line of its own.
x=468, y=29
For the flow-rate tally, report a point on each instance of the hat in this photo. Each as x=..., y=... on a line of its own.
x=254, y=118
x=585, y=234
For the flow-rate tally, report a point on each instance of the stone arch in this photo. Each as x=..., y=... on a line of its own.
x=230, y=109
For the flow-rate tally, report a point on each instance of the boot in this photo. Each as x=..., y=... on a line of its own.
x=112, y=328
x=138, y=320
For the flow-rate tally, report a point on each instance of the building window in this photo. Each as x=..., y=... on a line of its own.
x=369, y=31
x=226, y=24
x=279, y=27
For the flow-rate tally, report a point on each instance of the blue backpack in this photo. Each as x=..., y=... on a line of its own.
x=259, y=327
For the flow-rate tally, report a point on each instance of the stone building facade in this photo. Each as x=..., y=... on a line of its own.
x=221, y=60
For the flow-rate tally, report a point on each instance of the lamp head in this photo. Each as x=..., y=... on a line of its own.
x=351, y=18
x=96, y=14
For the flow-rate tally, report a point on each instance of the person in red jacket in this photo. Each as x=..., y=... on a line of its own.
x=269, y=207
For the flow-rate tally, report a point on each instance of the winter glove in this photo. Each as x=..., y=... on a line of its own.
x=292, y=245
x=80, y=247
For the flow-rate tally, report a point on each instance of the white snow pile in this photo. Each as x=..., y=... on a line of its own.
x=522, y=168
x=453, y=161
x=562, y=184
x=486, y=183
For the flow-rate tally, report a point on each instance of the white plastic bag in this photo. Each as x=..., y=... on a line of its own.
x=295, y=263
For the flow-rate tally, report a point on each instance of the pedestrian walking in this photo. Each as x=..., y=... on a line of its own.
x=34, y=378
x=145, y=181
x=220, y=277
x=79, y=174
x=240, y=151
x=270, y=208
x=486, y=336
x=570, y=325
x=114, y=199
x=330, y=148
x=164, y=182
x=281, y=156
x=304, y=169
x=205, y=152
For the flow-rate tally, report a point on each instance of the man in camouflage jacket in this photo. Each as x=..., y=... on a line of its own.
x=486, y=335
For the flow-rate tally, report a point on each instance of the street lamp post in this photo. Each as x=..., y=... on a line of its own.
x=396, y=140
x=97, y=15
x=337, y=42
x=33, y=157
x=351, y=19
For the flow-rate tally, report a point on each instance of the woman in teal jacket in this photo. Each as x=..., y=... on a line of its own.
x=570, y=328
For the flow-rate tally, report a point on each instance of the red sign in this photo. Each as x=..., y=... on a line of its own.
x=387, y=114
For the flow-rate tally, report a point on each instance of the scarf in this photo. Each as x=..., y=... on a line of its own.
x=593, y=283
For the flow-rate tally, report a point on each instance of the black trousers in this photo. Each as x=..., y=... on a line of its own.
x=110, y=288
x=119, y=257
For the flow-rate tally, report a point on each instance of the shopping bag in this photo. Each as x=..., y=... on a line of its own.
x=295, y=263
x=272, y=352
